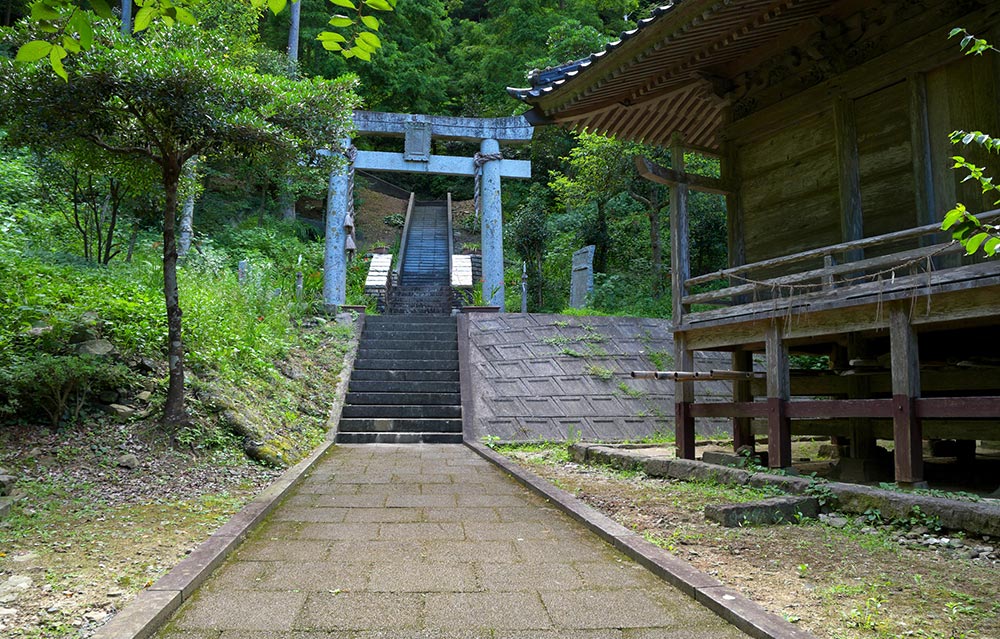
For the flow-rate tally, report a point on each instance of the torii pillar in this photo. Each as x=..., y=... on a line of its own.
x=491, y=228
x=417, y=158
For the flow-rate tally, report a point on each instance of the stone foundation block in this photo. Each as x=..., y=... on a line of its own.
x=768, y=511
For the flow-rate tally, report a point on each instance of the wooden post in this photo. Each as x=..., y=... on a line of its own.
x=683, y=398
x=906, y=428
x=742, y=431
x=846, y=133
x=679, y=253
x=859, y=387
x=779, y=426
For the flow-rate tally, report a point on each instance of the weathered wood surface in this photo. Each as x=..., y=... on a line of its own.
x=672, y=177
x=832, y=249
x=680, y=255
x=984, y=274
x=906, y=428
x=779, y=443
x=961, y=302
x=849, y=173
x=827, y=275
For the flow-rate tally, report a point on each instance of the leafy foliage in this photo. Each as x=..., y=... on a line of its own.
x=965, y=227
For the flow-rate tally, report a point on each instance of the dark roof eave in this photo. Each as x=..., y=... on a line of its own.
x=557, y=77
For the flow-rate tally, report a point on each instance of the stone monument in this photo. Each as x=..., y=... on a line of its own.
x=582, y=283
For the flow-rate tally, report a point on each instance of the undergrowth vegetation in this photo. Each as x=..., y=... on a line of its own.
x=76, y=333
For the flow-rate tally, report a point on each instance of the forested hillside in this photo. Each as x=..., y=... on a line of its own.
x=202, y=136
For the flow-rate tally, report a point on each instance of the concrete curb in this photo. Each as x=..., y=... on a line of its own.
x=735, y=608
x=147, y=612
x=152, y=607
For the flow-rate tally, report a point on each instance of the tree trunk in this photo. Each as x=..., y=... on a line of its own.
x=293, y=31
x=288, y=198
x=126, y=25
x=654, y=241
x=187, y=227
x=173, y=410
x=131, y=242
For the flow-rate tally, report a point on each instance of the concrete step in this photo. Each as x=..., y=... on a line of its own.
x=403, y=375
x=408, y=398
x=443, y=322
x=406, y=364
x=407, y=328
x=410, y=344
x=399, y=438
x=407, y=353
x=400, y=412
x=418, y=339
x=383, y=386
x=361, y=425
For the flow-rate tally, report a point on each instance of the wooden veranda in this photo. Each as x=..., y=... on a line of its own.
x=830, y=119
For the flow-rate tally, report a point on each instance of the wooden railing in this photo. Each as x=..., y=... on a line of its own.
x=832, y=274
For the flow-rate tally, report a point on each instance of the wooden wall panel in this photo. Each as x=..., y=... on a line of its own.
x=788, y=190
x=888, y=193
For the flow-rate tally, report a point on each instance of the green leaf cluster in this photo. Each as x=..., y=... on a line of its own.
x=966, y=228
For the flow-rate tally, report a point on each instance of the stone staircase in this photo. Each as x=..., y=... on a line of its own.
x=424, y=277
x=405, y=384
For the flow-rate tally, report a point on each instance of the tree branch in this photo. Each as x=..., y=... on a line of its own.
x=133, y=150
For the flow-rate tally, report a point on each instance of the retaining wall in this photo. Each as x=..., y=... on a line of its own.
x=553, y=377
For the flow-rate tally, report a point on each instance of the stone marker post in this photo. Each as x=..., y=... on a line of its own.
x=582, y=282
x=335, y=259
x=492, y=227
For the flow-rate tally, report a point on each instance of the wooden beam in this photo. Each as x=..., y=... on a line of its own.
x=779, y=433
x=742, y=427
x=862, y=445
x=826, y=277
x=970, y=301
x=680, y=256
x=905, y=391
x=672, y=177
x=849, y=174
x=683, y=398
x=821, y=252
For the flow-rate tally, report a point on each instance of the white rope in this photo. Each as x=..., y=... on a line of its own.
x=350, y=154
x=478, y=160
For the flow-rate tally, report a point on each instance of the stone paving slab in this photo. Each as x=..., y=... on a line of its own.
x=430, y=542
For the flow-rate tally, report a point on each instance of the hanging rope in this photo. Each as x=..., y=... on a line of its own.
x=776, y=290
x=350, y=154
x=870, y=277
x=478, y=160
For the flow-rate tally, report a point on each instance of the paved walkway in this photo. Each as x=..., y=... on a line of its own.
x=430, y=541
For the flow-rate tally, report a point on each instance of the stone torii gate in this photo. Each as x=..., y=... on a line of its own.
x=418, y=131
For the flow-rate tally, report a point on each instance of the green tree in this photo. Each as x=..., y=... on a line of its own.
x=598, y=170
x=162, y=100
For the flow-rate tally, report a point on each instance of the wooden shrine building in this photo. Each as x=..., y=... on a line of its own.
x=831, y=121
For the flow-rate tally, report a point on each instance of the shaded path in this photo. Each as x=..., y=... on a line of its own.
x=430, y=541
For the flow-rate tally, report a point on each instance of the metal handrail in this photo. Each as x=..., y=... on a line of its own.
x=406, y=231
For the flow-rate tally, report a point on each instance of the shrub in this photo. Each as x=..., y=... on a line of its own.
x=395, y=220
x=57, y=385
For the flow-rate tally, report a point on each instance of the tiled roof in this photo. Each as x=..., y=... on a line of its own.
x=546, y=80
